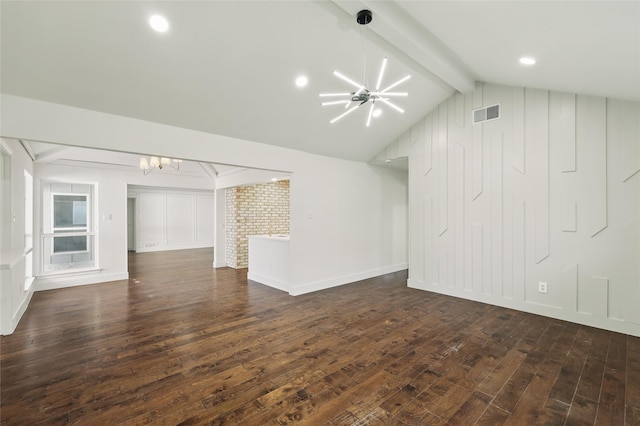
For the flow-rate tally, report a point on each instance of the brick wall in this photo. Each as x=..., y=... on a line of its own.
x=231, y=227
x=254, y=210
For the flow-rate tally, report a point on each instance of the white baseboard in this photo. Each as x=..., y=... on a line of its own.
x=345, y=279
x=217, y=264
x=171, y=248
x=17, y=316
x=53, y=282
x=271, y=282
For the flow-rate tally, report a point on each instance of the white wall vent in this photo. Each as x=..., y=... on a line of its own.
x=486, y=114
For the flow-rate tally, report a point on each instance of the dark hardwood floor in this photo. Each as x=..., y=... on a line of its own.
x=181, y=343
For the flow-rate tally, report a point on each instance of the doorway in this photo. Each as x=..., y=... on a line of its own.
x=131, y=224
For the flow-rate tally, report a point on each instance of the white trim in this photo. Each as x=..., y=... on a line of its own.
x=296, y=290
x=219, y=264
x=170, y=248
x=28, y=149
x=54, y=282
x=66, y=272
x=28, y=283
x=17, y=315
x=271, y=282
x=5, y=147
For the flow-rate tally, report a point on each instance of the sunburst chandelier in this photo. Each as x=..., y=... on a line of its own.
x=362, y=94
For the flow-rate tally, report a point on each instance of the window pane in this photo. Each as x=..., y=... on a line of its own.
x=69, y=211
x=66, y=244
x=62, y=253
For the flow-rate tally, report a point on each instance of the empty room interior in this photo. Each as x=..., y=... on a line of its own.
x=320, y=212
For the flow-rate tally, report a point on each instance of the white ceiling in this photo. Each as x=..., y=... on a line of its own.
x=229, y=67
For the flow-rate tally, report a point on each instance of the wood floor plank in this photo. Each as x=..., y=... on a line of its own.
x=611, y=407
x=590, y=381
x=512, y=391
x=502, y=372
x=493, y=416
x=582, y=412
x=182, y=343
x=617, y=355
x=565, y=386
x=633, y=374
x=535, y=407
x=632, y=415
x=471, y=410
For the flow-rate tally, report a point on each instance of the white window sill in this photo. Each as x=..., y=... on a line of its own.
x=65, y=272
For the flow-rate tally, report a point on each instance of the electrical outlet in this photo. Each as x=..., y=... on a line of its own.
x=542, y=287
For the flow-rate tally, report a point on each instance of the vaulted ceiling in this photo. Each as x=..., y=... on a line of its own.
x=228, y=67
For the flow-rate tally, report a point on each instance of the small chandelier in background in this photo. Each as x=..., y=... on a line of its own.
x=154, y=162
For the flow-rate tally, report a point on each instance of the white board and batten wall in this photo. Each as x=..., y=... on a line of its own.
x=548, y=195
x=170, y=219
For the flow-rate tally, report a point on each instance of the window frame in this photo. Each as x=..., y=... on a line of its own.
x=88, y=190
x=70, y=231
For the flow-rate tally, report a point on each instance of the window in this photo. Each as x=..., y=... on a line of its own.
x=69, y=240
x=69, y=216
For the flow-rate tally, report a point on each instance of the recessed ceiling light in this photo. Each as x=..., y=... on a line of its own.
x=159, y=23
x=526, y=60
x=302, y=81
x=377, y=112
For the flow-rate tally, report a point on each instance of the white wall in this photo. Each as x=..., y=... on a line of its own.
x=173, y=219
x=338, y=207
x=550, y=193
x=13, y=297
x=348, y=222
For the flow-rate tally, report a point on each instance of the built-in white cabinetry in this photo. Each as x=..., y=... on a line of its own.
x=172, y=219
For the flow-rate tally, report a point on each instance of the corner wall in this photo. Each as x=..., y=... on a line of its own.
x=14, y=299
x=550, y=192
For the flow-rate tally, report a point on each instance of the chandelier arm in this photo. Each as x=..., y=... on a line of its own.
x=348, y=80
x=370, y=114
x=402, y=80
x=394, y=106
x=382, y=68
x=335, y=103
x=344, y=113
x=390, y=93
